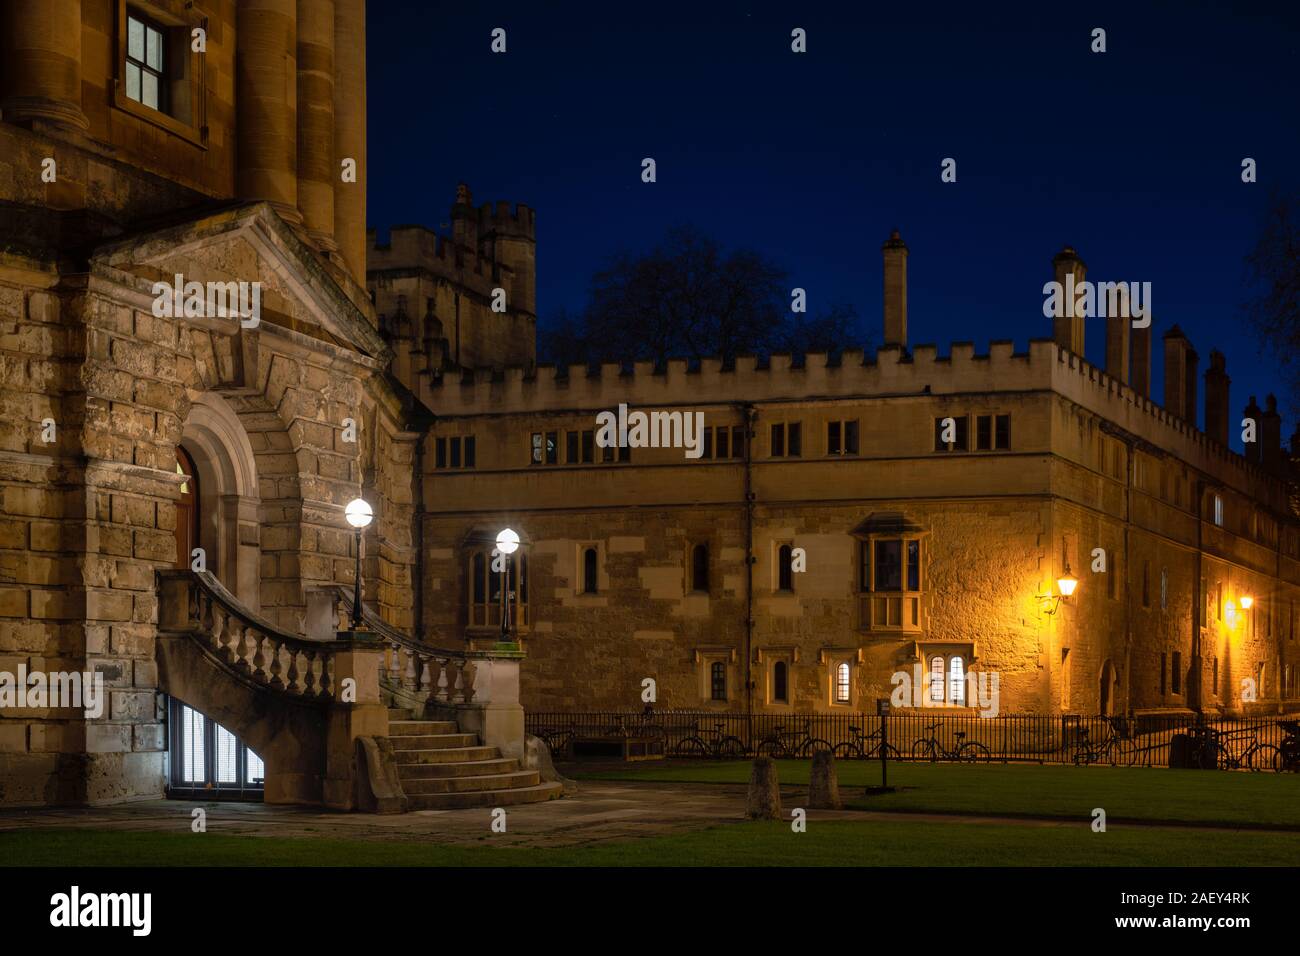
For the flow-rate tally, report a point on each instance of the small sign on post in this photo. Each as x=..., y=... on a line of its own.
x=882, y=709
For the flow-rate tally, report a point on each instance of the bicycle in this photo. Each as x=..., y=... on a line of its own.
x=864, y=746
x=719, y=744
x=783, y=744
x=1255, y=757
x=1115, y=749
x=966, y=751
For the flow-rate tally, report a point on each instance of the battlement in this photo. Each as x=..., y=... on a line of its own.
x=501, y=220
x=887, y=373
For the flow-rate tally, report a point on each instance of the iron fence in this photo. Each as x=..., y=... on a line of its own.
x=1144, y=740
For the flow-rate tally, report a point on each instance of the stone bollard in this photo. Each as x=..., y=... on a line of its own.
x=823, y=787
x=764, y=800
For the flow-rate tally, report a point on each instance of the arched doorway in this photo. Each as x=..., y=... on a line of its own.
x=1109, y=682
x=187, y=509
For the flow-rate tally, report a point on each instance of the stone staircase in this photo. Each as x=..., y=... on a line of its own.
x=443, y=769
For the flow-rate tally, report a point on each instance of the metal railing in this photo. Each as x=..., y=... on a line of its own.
x=1142, y=740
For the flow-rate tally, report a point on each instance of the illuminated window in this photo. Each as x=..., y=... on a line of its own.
x=1218, y=511
x=207, y=760
x=936, y=680
x=842, y=686
x=957, y=681
x=485, y=588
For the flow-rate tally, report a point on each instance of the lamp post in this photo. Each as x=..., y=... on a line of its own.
x=507, y=545
x=359, y=514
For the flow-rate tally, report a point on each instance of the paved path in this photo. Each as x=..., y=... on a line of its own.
x=599, y=812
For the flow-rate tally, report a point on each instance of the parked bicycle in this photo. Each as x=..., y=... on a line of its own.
x=1115, y=748
x=864, y=746
x=932, y=749
x=717, y=744
x=1256, y=756
x=784, y=744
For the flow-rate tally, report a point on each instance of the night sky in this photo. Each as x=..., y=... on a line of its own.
x=1132, y=156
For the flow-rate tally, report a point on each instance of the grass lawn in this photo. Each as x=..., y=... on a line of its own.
x=830, y=843
x=1125, y=793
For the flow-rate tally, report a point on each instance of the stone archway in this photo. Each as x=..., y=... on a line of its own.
x=1108, y=690
x=228, y=520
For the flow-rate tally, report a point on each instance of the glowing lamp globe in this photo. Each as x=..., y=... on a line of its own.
x=1246, y=602
x=507, y=542
x=1067, y=582
x=358, y=512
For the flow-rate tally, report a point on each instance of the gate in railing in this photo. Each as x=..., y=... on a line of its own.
x=1242, y=743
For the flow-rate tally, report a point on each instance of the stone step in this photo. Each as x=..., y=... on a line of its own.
x=485, y=798
x=409, y=728
x=400, y=713
x=433, y=741
x=447, y=755
x=520, y=779
x=468, y=768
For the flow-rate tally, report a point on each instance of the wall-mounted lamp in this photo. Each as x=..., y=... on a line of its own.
x=1065, y=584
x=1246, y=602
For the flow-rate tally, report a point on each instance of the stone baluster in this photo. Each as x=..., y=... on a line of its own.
x=241, y=648
x=326, y=679
x=309, y=675
x=468, y=670
x=259, y=660
x=441, y=690
x=426, y=675
x=274, y=669
x=294, y=687
x=408, y=672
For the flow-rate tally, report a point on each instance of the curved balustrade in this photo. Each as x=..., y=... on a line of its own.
x=199, y=604
x=444, y=675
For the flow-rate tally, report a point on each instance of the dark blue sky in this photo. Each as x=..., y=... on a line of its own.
x=1132, y=156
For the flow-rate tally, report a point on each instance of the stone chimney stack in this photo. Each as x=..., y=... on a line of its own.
x=1270, y=434
x=1067, y=329
x=895, y=253
x=1217, y=384
x=1189, y=403
x=1117, y=338
x=1176, y=349
x=1252, y=412
x=1140, y=362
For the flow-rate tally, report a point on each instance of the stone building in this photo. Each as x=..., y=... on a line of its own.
x=203, y=359
x=217, y=150
x=858, y=516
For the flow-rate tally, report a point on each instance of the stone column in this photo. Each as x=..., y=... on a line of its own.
x=266, y=80
x=42, y=62
x=317, y=169
x=350, y=133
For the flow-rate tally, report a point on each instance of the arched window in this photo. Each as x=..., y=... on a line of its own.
x=936, y=680
x=957, y=682
x=842, y=686
x=700, y=568
x=780, y=685
x=485, y=588
x=589, y=571
x=784, y=571
x=187, y=511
